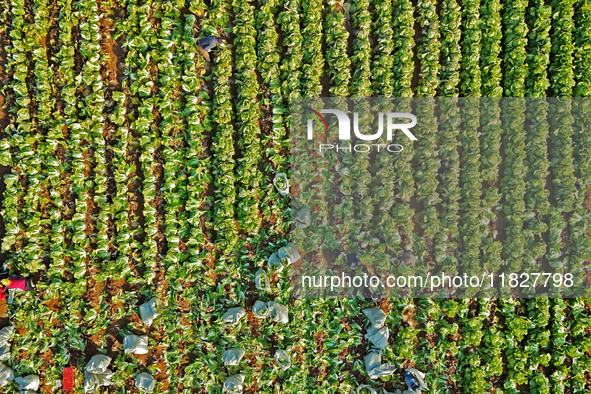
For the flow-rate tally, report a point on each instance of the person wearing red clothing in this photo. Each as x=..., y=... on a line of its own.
x=15, y=282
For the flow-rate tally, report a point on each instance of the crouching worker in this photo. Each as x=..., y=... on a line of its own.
x=206, y=44
x=15, y=282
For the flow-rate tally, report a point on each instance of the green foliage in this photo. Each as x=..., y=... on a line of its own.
x=135, y=169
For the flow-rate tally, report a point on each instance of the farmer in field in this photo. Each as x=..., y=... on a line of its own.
x=14, y=282
x=206, y=44
x=415, y=380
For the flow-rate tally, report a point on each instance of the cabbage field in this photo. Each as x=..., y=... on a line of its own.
x=134, y=169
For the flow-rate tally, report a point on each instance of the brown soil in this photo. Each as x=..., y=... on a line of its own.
x=320, y=373
x=587, y=200
x=319, y=341
x=408, y=316
x=254, y=324
x=210, y=261
x=385, y=305
x=93, y=288
x=53, y=305
x=162, y=376
x=273, y=279
x=2, y=111
x=3, y=308
x=20, y=330
x=115, y=285
x=107, y=45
